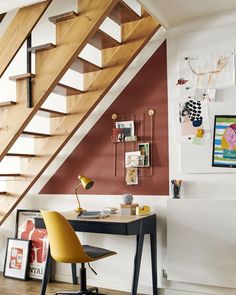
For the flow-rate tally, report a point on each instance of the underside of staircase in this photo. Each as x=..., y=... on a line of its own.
x=74, y=30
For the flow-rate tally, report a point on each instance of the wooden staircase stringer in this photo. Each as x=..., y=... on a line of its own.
x=52, y=64
x=48, y=148
x=18, y=30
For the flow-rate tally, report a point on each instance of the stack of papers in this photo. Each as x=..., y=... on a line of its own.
x=111, y=210
x=94, y=214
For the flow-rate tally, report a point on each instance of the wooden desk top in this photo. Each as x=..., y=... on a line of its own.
x=71, y=215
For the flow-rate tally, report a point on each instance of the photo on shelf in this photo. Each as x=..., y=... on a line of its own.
x=131, y=176
x=144, y=149
x=127, y=126
x=132, y=159
x=16, y=259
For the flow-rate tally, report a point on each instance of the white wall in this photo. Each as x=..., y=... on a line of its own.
x=205, y=34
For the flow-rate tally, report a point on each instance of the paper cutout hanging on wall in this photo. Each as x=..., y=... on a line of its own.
x=193, y=115
x=210, y=70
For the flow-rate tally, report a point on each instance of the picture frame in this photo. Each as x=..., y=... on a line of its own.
x=144, y=149
x=224, y=141
x=16, y=259
x=131, y=177
x=127, y=127
x=132, y=159
x=25, y=229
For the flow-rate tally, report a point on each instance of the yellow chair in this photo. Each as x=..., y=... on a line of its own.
x=66, y=247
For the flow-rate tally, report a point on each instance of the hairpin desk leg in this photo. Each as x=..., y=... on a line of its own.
x=74, y=276
x=137, y=261
x=47, y=272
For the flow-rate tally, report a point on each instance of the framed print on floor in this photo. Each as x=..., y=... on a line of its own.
x=16, y=259
x=224, y=142
x=25, y=229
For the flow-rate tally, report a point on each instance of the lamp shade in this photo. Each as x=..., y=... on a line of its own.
x=86, y=182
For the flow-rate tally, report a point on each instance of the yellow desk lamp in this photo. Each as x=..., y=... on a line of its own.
x=86, y=183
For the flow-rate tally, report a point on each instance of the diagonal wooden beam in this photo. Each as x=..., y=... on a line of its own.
x=18, y=30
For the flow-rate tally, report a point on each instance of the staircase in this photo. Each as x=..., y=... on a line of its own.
x=74, y=30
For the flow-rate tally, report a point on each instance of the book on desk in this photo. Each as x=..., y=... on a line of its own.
x=94, y=214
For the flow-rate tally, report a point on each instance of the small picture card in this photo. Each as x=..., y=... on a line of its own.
x=127, y=126
x=131, y=176
x=144, y=155
x=132, y=159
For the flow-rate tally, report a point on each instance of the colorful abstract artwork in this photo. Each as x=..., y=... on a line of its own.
x=192, y=116
x=224, y=142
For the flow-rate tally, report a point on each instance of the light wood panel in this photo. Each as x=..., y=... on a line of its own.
x=62, y=17
x=17, y=32
x=80, y=106
x=33, y=287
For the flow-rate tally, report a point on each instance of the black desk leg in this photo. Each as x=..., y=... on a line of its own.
x=46, y=274
x=153, y=240
x=74, y=276
x=137, y=263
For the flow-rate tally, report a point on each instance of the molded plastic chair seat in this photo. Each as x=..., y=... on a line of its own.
x=66, y=247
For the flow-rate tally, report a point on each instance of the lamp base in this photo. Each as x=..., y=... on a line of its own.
x=79, y=210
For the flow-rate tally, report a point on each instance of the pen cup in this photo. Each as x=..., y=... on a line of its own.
x=175, y=188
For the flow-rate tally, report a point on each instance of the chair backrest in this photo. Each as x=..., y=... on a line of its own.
x=64, y=243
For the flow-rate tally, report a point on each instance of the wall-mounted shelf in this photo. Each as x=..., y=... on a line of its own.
x=143, y=130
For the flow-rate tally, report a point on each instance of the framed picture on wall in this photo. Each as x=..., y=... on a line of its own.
x=16, y=259
x=224, y=141
x=25, y=229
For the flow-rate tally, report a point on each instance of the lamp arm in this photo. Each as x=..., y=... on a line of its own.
x=76, y=194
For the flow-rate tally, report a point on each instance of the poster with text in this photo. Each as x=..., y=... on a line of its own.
x=25, y=229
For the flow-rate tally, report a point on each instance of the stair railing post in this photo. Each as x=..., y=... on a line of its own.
x=29, y=68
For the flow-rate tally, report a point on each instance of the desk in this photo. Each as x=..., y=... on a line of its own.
x=116, y=225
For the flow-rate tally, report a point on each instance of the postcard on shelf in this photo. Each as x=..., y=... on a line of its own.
x=131, y=176
x=132, y=159
x=127, y=126
x=144, y=150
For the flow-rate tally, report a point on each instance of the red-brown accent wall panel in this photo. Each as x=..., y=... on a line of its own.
x=94, y=156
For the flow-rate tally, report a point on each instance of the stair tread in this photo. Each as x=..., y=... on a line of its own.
x=7, y=103
x=48, y=112
x=101, y=40
x=9, y=174
x=20, y=155
x=83, y=66
x=42, y=47
x=122, y=13
x=36, y=134
x=62, y=17
x=65, y=90
x=21, y=76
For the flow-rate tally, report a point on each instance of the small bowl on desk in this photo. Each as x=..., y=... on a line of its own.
x=127, y=199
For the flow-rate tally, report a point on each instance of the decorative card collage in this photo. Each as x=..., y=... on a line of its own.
x=200, y=77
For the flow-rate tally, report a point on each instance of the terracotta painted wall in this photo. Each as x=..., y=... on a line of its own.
x=94, y=156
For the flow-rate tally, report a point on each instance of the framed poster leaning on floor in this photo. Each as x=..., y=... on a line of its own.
x=25, y=229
